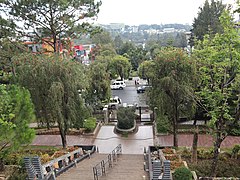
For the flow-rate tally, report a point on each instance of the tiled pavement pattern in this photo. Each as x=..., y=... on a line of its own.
x=203, y=140
x=55, y=140
x=127, y=167
x=131, y=146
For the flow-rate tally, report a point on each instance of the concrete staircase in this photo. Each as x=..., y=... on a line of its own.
x=127, y=167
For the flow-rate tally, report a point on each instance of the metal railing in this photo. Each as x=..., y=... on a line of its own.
x=100, y=168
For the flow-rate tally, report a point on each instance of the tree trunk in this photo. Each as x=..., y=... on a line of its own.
x=1, y=164
x=64, y=138
x=55, y=43
x=217, y=145
x=194, y=146
x=175, y=139
x=175, y=126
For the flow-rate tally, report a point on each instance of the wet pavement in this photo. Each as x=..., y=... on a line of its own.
x=204, y=140
x=55, y=140
x=107, y=140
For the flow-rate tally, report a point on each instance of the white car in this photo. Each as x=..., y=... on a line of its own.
x=114, y=102
x=118, y=85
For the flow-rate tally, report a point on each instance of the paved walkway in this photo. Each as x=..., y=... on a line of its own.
x=203, y=140
x=55, y=140
x=107, y=140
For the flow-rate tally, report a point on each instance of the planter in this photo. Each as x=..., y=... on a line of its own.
x=124, y=131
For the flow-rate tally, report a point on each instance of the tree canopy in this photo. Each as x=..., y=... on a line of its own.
x=218, y=67
x=54, y=84
x=16, y=112
x=172, y=86
x=207, y=21
x=120, y=66
x=50, y=18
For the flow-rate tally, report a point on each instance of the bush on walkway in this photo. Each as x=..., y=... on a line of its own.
x=89, y=124
x=126, y=117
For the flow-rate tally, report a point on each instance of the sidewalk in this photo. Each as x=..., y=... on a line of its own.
x=203, y=140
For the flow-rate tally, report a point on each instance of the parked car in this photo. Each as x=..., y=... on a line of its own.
x=142, y=89
x=118, y=85
x=114, y=102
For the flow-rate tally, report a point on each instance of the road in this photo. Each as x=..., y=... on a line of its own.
x=129, y=94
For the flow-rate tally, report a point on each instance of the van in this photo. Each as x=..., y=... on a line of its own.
x=118, y=85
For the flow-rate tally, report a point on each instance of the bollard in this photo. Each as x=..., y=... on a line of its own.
x=144, y=177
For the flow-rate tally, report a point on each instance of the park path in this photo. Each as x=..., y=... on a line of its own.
x=203, y=140
x=107, y=140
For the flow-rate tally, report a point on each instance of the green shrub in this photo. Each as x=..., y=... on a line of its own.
x=126, y=117
x=205, y=153
x=225, y=168
x=163, y=125
x=235, y=150
x=89, y=124
x=235, y=131
x=182, y=173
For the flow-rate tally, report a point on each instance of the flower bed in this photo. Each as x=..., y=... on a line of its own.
x=168, y=151
x=46, y=157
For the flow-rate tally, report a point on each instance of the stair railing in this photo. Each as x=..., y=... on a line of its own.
x=100, y=168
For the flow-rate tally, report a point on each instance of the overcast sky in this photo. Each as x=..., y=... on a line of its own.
x=135, y=12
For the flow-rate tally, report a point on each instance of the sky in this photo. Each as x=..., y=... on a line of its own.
x=135, y=12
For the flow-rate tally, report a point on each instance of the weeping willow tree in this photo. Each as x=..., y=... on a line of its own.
x=99, y=84
x=54, y=84
x=172, y=86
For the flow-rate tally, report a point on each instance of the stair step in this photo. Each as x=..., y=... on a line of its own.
x=129, y=167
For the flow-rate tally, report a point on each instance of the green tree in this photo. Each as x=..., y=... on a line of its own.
x=120, y=66
x=102, y=38
x=172, y=86
x=16, y=112
x=50, y=18
x=54, y=84
x=207, y=21
x=145, y=70
x=99, y=84
x=218, y=59
x=118, y=43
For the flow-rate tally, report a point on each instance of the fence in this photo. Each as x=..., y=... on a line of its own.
x=100, y=168
x=56, y=166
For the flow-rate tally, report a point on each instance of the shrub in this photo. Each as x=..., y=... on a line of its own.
x=235, y=150
x=182, y=173
x=225, y=168
x=126, y=117
x=89, y=124
x=163, y=125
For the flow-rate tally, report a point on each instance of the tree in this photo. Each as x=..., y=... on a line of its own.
x=102, y=38
x=16, y=112
x=8, y=49
x=50, y=18
x=172, y=86
x=54, y=84
x=145, y=70
x=120, y=66
x=118, y=43
x=207, y=21
x=99, y=84
x=220, y=81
